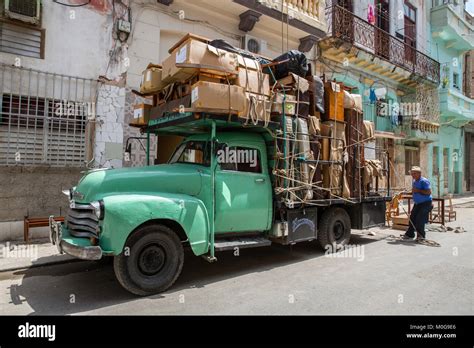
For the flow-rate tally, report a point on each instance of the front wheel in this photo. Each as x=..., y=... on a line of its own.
x=334, y=229
x=151, y=261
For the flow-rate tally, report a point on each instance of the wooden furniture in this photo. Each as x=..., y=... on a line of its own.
x=400, y=222
x=36, y=222
x=437, y=215
x=393, y=209
x=333, y=101
x=450, y=213
x=354, y=136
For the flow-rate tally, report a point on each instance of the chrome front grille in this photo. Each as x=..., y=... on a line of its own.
x=82, y=222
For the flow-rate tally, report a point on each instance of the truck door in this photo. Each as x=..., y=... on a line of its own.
x=243, y=190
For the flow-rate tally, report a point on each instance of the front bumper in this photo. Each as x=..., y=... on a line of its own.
x=77, y=247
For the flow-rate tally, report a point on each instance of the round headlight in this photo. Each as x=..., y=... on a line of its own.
x=68, y=193
x=98, y=209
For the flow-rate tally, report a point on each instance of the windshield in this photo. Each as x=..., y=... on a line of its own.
x=195, y=152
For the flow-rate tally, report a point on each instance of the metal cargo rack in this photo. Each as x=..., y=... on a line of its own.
x=191, y=122
x=187, y=123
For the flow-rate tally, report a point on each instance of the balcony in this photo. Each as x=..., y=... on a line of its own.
x=455, y=105
x=313, y=9
x=382, y=53
x=304, y=15
x=451, y=28
x=417, y=129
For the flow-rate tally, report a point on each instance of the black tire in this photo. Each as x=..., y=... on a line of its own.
x=154, y=261
x=334, y=229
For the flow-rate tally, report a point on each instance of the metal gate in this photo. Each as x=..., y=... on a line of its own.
x=44, y=117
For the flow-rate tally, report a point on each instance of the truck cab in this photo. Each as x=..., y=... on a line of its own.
x=216, y=193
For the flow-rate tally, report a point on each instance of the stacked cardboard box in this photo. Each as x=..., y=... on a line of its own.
x=197, y=76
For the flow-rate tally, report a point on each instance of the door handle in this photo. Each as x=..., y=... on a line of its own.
x=260, y=180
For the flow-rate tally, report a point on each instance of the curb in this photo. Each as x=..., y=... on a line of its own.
x=38, y=265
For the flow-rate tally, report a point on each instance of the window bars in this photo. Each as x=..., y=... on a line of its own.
x=44, y=117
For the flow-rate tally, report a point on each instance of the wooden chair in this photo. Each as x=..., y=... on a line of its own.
x=393, y=208
x=450, y=213
x=36, y=222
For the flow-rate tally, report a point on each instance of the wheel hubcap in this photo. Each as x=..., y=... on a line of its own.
x=338, y=230
x=151, y=259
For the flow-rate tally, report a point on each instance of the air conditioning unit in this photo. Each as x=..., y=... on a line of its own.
x=254, y=45
x=28, y=11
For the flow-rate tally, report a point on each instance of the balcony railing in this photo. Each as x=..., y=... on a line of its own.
x=308, y=7
x=346, y=26
x=425, y=126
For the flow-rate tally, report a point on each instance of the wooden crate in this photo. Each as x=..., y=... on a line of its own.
x=355, y=150
x=400, y=220
x=333, y=102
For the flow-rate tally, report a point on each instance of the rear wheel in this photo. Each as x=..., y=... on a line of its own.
x=151, y=261
x=334, y=229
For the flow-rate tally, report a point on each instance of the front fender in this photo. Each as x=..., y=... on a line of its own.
x=124, y=213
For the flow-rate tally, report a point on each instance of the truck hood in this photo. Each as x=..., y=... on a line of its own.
x=172, y=178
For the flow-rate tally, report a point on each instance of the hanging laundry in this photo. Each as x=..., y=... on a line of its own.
x=372, y=96
x=400, y=118
x=395, y=113
x=371, y=14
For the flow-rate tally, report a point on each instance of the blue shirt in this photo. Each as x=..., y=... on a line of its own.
x=421, y=184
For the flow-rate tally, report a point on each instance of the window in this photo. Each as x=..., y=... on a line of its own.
x=21, y=40
x=435, y=161
x=38, y=130
x=44, y=117
x=412, y=158
x=410, y=11
x=30, y=111
x=456, y=80
x=240, y=159
x=194, y=152
x=446, y=168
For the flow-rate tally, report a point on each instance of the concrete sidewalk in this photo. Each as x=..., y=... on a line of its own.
x=463, y=199
x=19, y=255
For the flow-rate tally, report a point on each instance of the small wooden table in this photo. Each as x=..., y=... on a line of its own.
x=436, y=216
x=36, y=222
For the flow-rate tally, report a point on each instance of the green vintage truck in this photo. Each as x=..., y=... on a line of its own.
x=145, y=217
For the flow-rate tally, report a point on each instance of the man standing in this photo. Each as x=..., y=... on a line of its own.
x=421, y=191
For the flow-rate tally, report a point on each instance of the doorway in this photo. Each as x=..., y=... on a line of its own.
x=382, y=36
x=410, y=32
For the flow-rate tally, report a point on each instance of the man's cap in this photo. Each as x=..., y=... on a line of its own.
x=415, y=169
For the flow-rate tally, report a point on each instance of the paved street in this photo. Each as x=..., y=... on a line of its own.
x=387, y=278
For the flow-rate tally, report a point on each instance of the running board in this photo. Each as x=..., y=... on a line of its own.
x=240, y=243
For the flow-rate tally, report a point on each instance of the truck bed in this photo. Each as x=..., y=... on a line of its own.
x=188, y=123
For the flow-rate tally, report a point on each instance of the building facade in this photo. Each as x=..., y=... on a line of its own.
x=68, y=71
x=56, y=114
x=452, y=33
